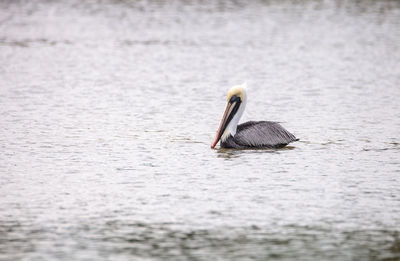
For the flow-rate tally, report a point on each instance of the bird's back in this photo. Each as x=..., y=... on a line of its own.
x=259, y=134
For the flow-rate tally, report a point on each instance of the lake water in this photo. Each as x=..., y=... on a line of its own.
x=108, y=110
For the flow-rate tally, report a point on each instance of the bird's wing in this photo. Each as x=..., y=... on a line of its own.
x=263, y=134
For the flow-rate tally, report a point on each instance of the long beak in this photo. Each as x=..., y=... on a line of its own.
x=224, y=123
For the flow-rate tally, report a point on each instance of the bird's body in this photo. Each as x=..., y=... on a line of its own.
x=260, y=135
x=251, y=134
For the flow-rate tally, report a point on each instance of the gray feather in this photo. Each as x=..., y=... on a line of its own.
x=259, y=134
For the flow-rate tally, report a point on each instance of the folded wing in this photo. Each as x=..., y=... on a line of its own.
x=262, y=134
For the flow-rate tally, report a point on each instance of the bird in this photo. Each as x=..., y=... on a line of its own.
x=251, y=134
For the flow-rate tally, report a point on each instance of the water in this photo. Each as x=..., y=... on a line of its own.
x=108, y=110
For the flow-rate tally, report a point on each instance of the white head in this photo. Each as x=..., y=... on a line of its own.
x=237, y=100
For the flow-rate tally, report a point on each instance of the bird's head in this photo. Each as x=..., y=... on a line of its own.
x=236, y=102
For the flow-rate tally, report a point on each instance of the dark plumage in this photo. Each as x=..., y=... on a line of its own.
x=259, y=134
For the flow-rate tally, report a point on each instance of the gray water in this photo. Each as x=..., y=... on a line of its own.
x=108, y=110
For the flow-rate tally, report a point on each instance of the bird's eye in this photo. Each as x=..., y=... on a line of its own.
x=234, y=98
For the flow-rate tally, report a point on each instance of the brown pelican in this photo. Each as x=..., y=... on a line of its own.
x=251, y=134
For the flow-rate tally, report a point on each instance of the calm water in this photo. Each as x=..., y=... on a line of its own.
x=108, y=110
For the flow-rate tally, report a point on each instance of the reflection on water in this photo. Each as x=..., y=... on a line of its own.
x=108, y=110
x=233, y=153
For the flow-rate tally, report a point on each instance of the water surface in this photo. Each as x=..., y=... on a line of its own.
x=108, y=110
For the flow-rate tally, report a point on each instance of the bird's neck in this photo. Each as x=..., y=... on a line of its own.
x=232, y=126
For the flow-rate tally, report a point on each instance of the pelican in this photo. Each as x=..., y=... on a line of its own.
x=251, y=134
